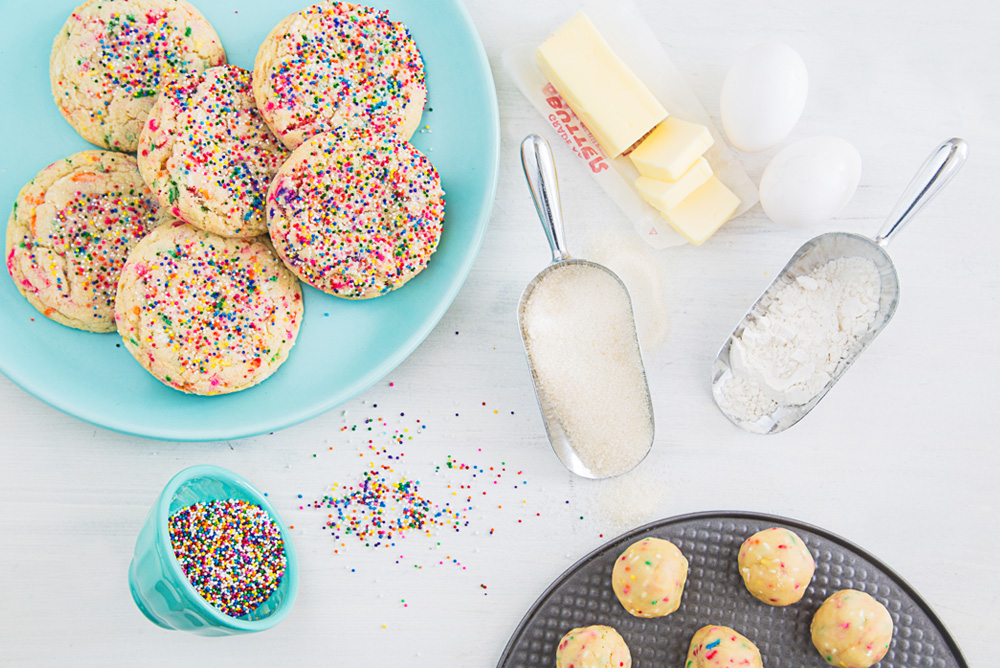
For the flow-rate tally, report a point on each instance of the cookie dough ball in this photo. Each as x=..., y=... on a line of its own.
x=356, y=214
x=851, y=629
x=593, y=647
x=721, y=647
x=207, y=314
x=207, y=154
x=648, y=578
x=776, y=566
x=70, y=231
x=337, y=65
x=112, y=57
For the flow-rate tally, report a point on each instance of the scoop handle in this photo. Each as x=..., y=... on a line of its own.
x=540, y=172
x=933, y=175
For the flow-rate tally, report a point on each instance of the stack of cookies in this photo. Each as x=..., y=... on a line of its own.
x=241, y=184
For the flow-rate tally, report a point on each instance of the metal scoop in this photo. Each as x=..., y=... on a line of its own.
x=935, y=173
x=540, y=172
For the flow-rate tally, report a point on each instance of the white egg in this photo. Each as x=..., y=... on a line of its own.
x=763, y=96
x=810, y=181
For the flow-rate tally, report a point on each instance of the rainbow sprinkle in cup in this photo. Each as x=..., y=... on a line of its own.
x=172, y=572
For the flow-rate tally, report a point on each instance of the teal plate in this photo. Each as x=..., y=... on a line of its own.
x=344, y=346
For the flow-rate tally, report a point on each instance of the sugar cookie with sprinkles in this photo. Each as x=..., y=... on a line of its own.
x=336, y=65
x=207, y=314
x=70, y=230
x=356, y=214
x=112, y=57
x=208, y=155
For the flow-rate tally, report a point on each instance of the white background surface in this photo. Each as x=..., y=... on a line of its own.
x=901, y=457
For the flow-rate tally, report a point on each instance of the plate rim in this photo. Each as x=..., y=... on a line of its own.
x=726, y=515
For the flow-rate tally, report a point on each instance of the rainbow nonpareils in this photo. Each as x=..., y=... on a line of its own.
x=231, y=551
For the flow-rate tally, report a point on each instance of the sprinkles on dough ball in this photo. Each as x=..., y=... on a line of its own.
x=231, y=551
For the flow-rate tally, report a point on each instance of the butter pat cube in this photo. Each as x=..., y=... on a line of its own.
x=671, y=149
x=608, y=97
x=702, y=212
x=665, y=195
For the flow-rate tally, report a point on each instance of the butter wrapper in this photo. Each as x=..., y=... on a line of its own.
x=628, y=34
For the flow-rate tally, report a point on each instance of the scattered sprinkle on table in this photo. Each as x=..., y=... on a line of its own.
x=380, y=509
x=384, y=505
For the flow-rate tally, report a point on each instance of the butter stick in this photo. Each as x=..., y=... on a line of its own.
x=671, y=149
x=703, y=212
x=608, y=97
x=665, y=195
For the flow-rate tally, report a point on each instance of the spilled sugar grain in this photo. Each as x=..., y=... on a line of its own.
x=579, y=335
x=628, y=500
x=635, y=264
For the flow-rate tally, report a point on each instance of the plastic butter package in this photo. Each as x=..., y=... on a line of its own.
x=629, y=36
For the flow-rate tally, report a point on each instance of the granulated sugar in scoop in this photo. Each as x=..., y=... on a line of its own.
x=580, y=340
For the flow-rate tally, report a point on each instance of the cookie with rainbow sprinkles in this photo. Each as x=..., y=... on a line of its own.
x=70, y=230
x=112, y=57
x=207, y=314
x=207, y=154
x=356, y=214
x=336, y=65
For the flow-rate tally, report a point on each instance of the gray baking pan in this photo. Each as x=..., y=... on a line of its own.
x=715, y=594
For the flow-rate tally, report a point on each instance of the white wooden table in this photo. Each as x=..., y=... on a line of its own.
x=901, y=458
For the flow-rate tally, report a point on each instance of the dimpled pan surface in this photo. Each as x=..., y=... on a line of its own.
x=715, y=594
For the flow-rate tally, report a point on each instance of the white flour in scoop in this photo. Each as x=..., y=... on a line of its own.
x=788, y=354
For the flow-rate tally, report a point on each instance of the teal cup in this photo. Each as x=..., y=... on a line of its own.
x=160, y=588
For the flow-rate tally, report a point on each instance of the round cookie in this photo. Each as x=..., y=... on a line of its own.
x=721, y=647
x=356, y=214
x=111, y=58
x=207, y=314
x=776, y=566
x=71, y=228
x=593, y=647
x=648, y=578
x=207, y=154
x=851, y=629
x=335, y=65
